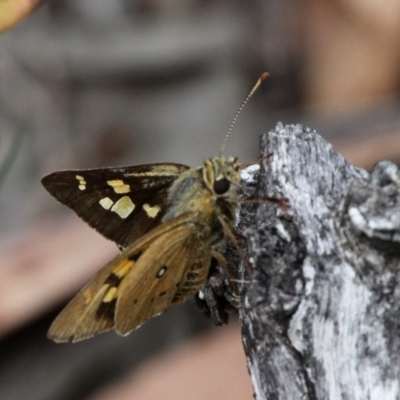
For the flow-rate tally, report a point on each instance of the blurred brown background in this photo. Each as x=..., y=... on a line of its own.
x=92, y=83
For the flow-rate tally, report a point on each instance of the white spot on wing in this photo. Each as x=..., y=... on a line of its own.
x=151, y=212
x=119, y=186
x=123, y=207
x=82, y=182
x=161, y=272
x=106, y=203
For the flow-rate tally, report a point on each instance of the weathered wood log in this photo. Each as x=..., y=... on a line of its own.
x=321, y=312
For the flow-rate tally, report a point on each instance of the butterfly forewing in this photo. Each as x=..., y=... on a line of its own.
x=120, y=203
x=116, y=297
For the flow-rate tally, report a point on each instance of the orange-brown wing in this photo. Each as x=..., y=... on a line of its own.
x=92, y=310
x=173, y=268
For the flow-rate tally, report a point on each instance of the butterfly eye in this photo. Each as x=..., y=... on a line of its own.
x=221, y=186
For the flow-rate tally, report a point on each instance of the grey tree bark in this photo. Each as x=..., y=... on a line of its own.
x=320, y=318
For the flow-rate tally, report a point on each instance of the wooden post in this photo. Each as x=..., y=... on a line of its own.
x=321, y=311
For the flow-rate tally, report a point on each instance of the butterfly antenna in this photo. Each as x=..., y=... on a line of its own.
x=261, y=79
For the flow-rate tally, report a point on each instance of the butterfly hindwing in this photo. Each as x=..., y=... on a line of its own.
x=118, y=296
x=120, y=203
x=174, y=268
x=87, y=313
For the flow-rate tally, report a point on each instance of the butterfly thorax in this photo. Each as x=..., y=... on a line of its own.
x=209, y=192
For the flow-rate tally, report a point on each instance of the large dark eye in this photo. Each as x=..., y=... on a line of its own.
x=221, y=186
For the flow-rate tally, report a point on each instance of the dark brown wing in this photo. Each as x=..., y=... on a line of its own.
x=120, y=203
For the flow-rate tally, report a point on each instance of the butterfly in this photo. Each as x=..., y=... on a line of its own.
x=168, y=219
x=186, y=213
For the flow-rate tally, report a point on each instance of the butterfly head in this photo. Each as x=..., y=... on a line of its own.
x=222, y=175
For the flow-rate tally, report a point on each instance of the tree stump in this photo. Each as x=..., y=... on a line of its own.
x=321, y=310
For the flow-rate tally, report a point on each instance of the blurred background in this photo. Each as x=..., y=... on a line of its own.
x=95, y=83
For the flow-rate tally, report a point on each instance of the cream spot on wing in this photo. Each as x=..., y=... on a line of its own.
x=161, y=170
x=106, y=203
x=151, y=212
x=123, y=207
x=110, y=295
x=123, y=269
x=82, y=182
x=119, y=186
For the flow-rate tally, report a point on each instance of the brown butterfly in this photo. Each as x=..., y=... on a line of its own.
x=169, y=219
